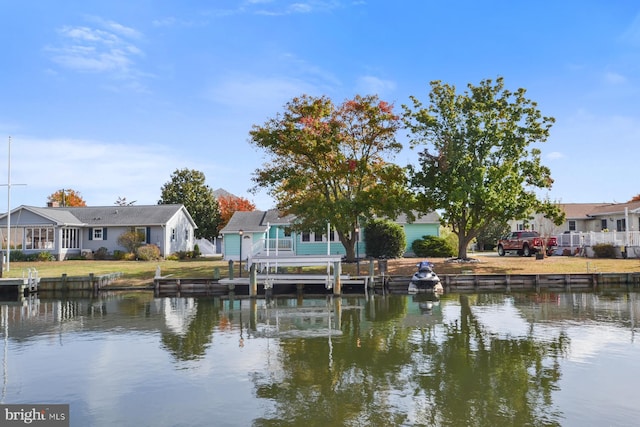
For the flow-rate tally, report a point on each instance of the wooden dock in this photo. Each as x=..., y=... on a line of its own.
x=452, y=283
x=92, y=282
x=523, y=282
x=19, y=286
x=275, y=283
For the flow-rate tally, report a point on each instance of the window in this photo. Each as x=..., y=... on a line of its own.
x=141, y=233
x=173, y=234
x=97, y=234
x=38, y=238
x=317, y=236
x=186, y=234
x=621, y=225
x=603, y=224
x=70, y=238
x=572, y=225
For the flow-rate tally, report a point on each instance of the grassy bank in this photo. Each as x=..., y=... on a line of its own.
x=139, y=272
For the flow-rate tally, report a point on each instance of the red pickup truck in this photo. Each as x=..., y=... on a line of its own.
x=526, y=243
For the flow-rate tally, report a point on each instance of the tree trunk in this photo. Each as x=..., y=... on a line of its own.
x=463, y=242
x=349, y=247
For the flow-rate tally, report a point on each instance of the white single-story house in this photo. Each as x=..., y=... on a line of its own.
x=267, y=231
x=72, y=231
x=587, y=224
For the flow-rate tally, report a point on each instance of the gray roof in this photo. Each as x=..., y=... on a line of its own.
x=58, y=216
x=132, y=215
x=126, y=215
x=255, y=221
x=614, y=209
x=251, y=222
x=578, y=210
x=221, y=192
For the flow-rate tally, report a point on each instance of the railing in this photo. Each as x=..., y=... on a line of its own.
x=206, y=247
x=591, y=238
x=281, y=246
x=284, y=244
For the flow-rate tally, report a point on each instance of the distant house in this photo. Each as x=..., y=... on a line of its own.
x=587, y=224
x=255, y=233
x=72, y=231
x=587, y=217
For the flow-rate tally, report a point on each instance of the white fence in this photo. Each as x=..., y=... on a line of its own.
x=615, y=238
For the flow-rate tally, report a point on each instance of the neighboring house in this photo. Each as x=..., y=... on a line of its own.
x=587, y=224
x=263, y=233
x=71, y=231
x=424, y=225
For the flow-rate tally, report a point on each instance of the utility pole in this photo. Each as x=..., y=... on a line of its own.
x=8, y=184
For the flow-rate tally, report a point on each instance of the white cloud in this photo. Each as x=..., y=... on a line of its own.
x=370, y=85
x=109, y=50
x=101, y=172
x=257, y=93
x=555, y=155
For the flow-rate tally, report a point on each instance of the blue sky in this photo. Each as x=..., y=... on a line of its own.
x=110, y=97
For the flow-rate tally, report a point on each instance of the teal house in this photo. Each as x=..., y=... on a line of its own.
x=267, y=233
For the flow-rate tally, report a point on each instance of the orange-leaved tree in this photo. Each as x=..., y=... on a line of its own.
x=67, y=197
x=230, y=204
x=328, y=163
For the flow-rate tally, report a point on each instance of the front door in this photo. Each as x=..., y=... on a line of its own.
x=247, y=246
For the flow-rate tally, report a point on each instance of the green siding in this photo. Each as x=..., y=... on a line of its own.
x=232, y=244
x=417, y=231
x=412, y=232
x=318, y=248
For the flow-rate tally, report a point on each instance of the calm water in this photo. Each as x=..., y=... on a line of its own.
x=460, y=360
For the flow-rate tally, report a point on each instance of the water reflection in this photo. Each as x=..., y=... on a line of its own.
x=481, y=360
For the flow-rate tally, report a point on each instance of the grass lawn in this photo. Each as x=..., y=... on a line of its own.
x=142, y=272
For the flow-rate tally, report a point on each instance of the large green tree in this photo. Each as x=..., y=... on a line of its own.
x=477, y=164
x=331, y=164
x=187, y=187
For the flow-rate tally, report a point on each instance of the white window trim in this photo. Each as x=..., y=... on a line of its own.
x=97, y=233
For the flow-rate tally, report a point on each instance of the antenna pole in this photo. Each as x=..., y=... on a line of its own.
x=9, y=208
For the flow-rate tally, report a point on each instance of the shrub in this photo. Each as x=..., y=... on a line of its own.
x=44, y=256
x=432, y=246
x=148, y=253
x=122, y=255
x=385, y=239
x=17, y=256
x=101, y=253
x=131, y=240
x=196, y=251
x=604, y=250
x=450, y=238
x=182, y=255
x=172, y=257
